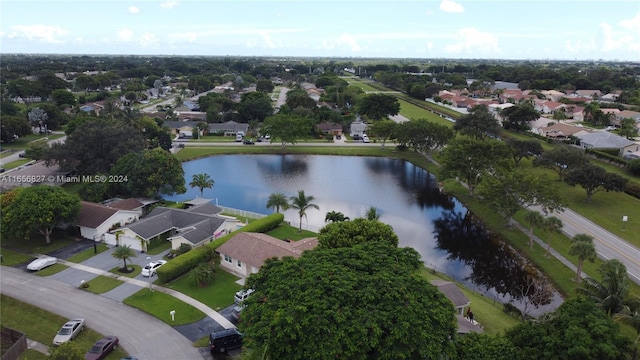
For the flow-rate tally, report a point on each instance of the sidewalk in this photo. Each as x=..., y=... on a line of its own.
x=39, y=347
x=178, y=295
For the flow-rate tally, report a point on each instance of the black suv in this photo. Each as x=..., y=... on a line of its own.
x=223, y=340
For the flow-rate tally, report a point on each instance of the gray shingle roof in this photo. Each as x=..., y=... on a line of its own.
x=452, y=292
x=162, y=219
x=604, y=140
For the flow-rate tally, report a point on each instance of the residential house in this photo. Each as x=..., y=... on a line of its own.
x=194, y=226
x=591, y=93
x=460, y=302
x=546, y=106
x=628, y=114
x=574, y=112
x=245, y=252
x=496, y=109
x=182, y=128
x=610, y=97
x=96, y=219
x=561, y=131
x=192, y=115
x=358, y=128
x=552, y=95
x=328, y=128
x=230, y=128
x=607, y=140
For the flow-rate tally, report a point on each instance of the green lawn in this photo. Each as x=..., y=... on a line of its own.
x=88, y=253
x=159, y=304
x=14, y=164
x=415, y=112
x=31, y=354
x=102, y=284
x=42, y=326
x=217, y=295
x=50, y=270
x=290, y=232
x=11, y=258
x=136, y=270
x=36, y=243
x=25, y=141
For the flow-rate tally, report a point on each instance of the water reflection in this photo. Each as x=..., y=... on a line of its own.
x=435, y=224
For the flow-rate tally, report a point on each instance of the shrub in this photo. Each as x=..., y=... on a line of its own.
x=633, y=167
x=182, y=264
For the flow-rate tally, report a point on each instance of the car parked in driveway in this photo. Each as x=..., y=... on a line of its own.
x=242, y=295
x=248, y=142
x=151, y=268
x=223, y=340
x=69, y=331
x=102, y=348
x=41, y=263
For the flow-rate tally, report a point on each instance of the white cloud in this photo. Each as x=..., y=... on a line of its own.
x=169, y=4
x=268, y=42
x=134, y=10
x=429, y=46
x=615, y=39
x=350, y=41
x=39, y=32
x=451, y=6
x=631, y=24
x=580, y=46
x=125, y=35
x=148, y=39
x=472, y=40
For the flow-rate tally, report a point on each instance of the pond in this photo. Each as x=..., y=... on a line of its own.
x=438, y=226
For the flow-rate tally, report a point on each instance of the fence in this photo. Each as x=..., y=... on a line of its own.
x=243, y=213
x=18, y=343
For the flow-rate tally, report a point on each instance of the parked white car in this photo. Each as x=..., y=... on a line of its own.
x=151, y=268
x=69, y=331
x=242, y=295
x=41, y=263
x=365, y=138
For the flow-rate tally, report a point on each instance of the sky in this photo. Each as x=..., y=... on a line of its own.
x=470, y=29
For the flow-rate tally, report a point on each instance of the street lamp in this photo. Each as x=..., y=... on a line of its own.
x=95, y=246
x=150, y=273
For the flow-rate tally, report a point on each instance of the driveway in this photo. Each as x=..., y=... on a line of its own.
x=140, y=335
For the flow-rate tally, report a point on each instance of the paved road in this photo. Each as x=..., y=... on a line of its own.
x=608, y=245
x=140, y=334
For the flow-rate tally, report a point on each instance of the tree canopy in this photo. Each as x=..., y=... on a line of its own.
x=561, y=159
x=478, y=123
x=578, y=330
x=356, y=231
x=423, y=135
x=287, y=128
x=594, y=178
x=39, y=208
x=378, y=106
x=360, y=302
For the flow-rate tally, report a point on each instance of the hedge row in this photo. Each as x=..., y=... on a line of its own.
x=182, y=264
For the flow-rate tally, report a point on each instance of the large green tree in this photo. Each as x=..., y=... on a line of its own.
x=478, y=123
x=255, y=105
x=286, y=128
x=95, y=146
x=470, y=159
x=365, y=302
x=384, y=129
x=510, y=191
x=518, y=117
x=593, y=178
x=149, y=173
x=577, y=330
x=610, y=293
x=302, y=203
x=354, y=232
x=561, y=159
x=423, y=135
x=524, y=149
x=39, y=208
x=13, y=127
x=475, y=346
x=378, y=106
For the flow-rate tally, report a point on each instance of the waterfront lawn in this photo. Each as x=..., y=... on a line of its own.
x=284, y=232
x=415, y=112
x=217, y=295
x=159, y=304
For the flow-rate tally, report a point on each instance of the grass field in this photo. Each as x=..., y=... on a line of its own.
x=42, y=326
x=102, y=284
x=217, y=295
x=159, y=305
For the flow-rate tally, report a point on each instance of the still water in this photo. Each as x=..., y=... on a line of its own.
x=439, y=227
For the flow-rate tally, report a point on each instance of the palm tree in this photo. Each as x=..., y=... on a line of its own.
x=277, y=201
x=203, y=274
x=535, y=220
x=123, y=253
x=201, y=181
x=372, y=213
x=552, y=225
x=302, y=203
x=583, y=248
x=630, y=315
x=611, y=292
x=334, y=216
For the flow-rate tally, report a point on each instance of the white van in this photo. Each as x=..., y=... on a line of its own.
x=238, y=137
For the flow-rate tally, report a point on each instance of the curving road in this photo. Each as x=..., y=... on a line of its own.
x=141, y=335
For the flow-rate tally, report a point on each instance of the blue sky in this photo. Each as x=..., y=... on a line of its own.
x=506, y=29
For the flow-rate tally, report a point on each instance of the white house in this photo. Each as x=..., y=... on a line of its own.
x=607, y=140
x=96, y=219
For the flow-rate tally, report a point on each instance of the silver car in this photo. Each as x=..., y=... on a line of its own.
x=68, y=331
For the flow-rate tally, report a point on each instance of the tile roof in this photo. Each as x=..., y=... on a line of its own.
x=93, y=215
x=254, y=248
x=127, y=204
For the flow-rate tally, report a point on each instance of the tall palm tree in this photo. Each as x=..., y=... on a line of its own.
x=611, y=292
x=123, y=253
x=201, y=181
x=582, y=246
x=372, y=213
x=552, y=225
x=334, y=216
x=535, y=220
x=277, y=201
x=302, y=203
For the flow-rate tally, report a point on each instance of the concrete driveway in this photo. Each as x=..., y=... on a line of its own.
x=141, y=335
